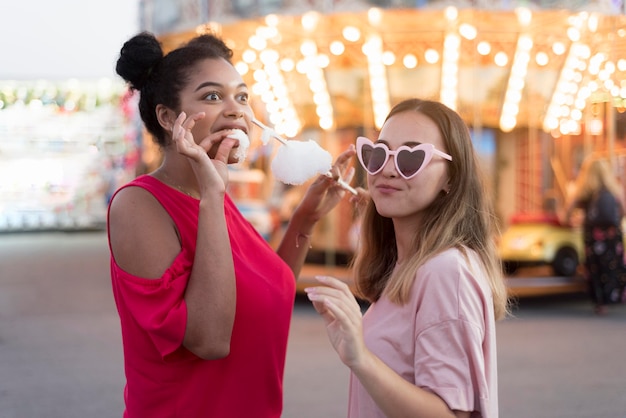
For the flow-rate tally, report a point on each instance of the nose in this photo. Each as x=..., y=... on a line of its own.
x=235, y=113
x=233, y=108
x=390, y=169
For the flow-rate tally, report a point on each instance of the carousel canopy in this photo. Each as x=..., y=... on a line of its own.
x=542, y=69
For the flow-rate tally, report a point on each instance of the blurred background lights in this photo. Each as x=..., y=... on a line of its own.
x=467, y=31
x=351, y=33
x=287, y=65
x=271, y=20
x=541, y=58
x=248, y=56
x=337, y=48
x=524, y=15
x=558, y=48
x=483, y=48
x=256, y=42
x=431, y=56
x=309, y=21
x=374, y=16
x=389, y=58
x=409, y=61
x=501, y=59
x=241, y=67
x=451, y=13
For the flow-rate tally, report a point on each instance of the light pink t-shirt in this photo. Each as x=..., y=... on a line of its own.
x=443, y=340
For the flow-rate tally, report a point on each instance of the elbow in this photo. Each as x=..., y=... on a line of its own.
x=208, y=346
x=213, y=350
x=214, y=353
x=209, y=338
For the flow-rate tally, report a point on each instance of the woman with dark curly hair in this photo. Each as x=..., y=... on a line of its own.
x=204, y=302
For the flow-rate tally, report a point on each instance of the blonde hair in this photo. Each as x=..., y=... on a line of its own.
x=595, y=174
x=462, y=218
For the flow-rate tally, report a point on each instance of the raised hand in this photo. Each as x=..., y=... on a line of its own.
x=342, y=314
x=209, y=172
x=324, y=193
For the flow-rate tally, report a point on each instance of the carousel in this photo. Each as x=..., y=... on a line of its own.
x=541, y=86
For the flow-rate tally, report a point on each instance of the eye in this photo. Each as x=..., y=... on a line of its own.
x=243, y=97
x=212, y=96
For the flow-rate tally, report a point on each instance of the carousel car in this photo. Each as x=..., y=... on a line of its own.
x=541, y=239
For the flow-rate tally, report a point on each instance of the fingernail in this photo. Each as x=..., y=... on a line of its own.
x=313, y=296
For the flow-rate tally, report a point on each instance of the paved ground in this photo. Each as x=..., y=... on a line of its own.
x=60, y=350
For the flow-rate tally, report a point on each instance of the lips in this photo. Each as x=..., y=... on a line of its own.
x=386, y=189
x=243, y=128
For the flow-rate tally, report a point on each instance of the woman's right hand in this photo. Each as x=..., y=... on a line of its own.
x=341, y=312
x=325, y=193
x=209, y=172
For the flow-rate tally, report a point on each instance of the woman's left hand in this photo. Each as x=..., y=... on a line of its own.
x=325, y=192
x=342, y=314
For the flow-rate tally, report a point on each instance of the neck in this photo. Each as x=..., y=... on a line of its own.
x=177, y=182
x=404, y=229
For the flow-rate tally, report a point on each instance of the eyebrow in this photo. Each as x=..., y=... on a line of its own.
x=408, y=143
x=214, y=84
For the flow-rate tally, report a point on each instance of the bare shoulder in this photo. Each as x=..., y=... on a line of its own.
x=143, y=237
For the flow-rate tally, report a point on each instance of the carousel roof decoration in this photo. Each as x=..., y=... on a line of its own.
x=505, y=68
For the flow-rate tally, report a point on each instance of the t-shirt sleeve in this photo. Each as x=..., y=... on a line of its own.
x=450, y=363
x=449, y=342
x=157, y=305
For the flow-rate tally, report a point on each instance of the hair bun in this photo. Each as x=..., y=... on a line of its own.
x=138, y=57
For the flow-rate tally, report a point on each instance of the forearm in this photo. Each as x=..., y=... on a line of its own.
x=321, y=197
x=211, y=291
x=395, y=396
x=296, y=242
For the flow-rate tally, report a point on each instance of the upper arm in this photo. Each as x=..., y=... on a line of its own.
x=143, y=237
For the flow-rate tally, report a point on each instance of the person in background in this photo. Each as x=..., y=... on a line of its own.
x=598, y=193
x=204, y=302
x=426, y=262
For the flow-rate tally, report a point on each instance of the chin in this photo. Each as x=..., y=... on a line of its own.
x=384, y=211
x=393, y=210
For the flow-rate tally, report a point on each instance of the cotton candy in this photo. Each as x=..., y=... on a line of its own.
x=266, y=135
x=244, y=144
x=297, y=161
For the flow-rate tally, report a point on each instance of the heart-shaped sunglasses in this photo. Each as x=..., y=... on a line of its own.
x=408, y=160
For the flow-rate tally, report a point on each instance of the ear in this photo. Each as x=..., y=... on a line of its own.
x=166, y=117
x=446, y=188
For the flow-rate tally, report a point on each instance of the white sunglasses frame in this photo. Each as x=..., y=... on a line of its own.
x=428, y=149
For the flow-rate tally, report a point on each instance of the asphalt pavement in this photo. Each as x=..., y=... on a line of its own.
x=61, y=355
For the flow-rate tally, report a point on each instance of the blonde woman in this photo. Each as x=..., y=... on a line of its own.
x=426, y=347
x=599, y=194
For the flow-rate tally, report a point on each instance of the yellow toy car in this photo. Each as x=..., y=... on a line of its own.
x=541, y=239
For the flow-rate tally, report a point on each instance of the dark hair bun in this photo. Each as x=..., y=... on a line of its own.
x=138, y=57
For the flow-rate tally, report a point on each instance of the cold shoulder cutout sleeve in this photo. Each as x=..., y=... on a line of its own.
x=157, y=305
